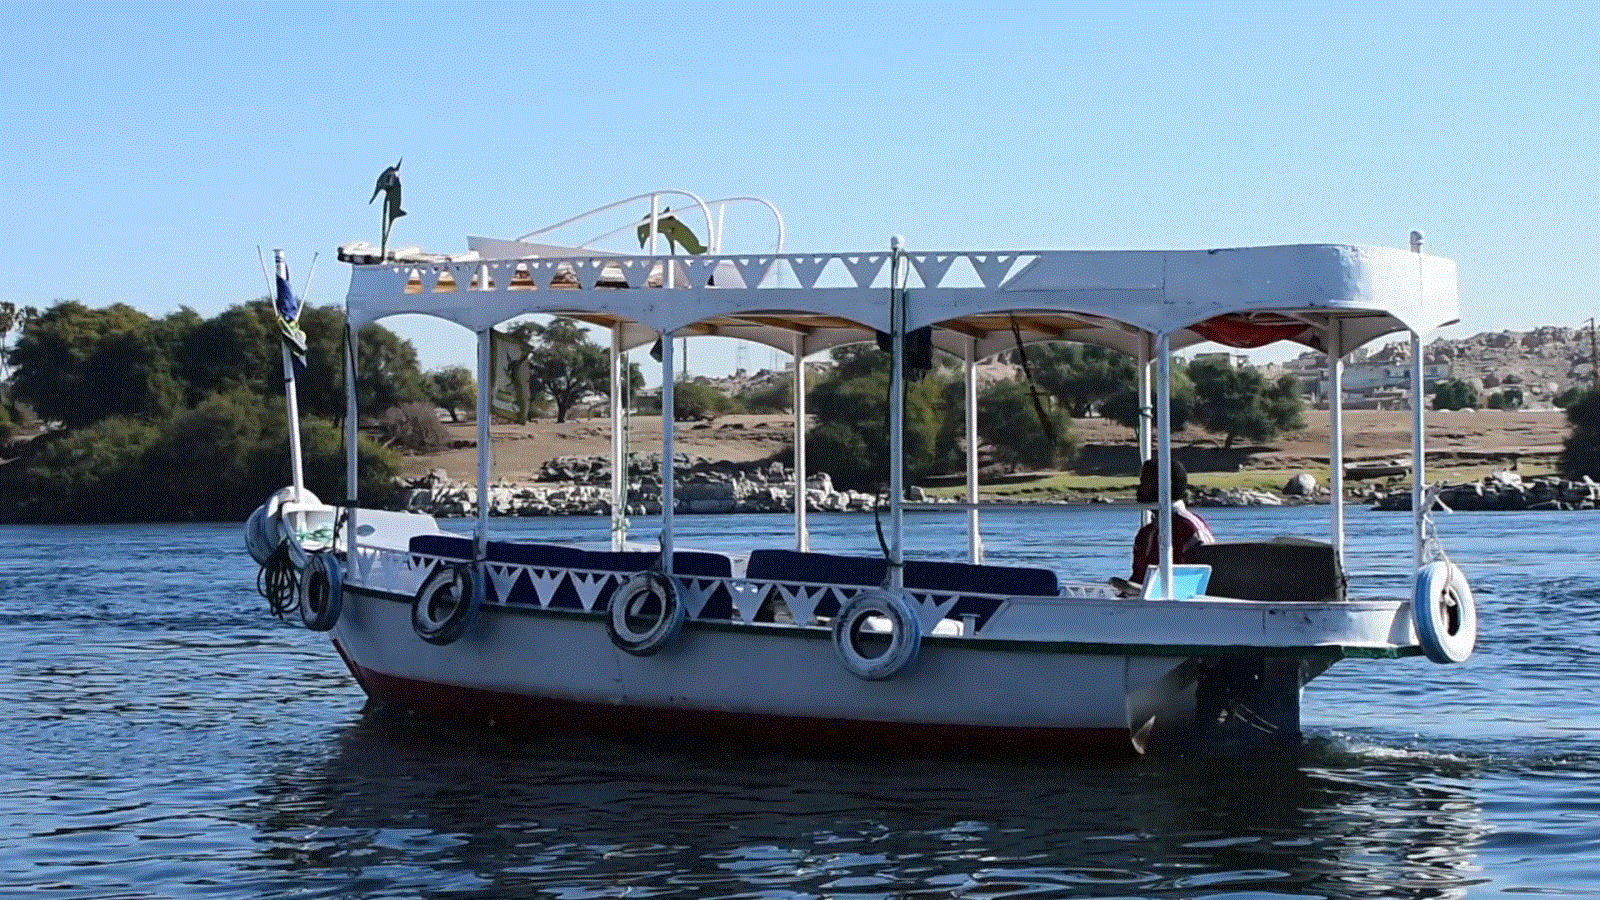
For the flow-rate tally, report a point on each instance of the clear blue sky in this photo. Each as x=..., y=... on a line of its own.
x=147, y=151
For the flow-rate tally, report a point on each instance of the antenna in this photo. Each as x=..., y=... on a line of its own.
x=1416, y=242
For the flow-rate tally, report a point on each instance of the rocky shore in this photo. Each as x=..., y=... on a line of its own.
x=1506, y=490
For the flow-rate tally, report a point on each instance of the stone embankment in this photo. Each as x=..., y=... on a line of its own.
x=1506, y=491
x=571, y=485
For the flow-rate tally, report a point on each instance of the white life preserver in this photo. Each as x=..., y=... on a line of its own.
x=321, y=591
x=1446, y=617
x=447, y=603
x=851, y=633
x=644, y=613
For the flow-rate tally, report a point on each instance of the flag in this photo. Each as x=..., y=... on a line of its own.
x=508, y=376
x=287, y=307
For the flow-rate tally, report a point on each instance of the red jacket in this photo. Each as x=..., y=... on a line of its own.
x=1188, y=532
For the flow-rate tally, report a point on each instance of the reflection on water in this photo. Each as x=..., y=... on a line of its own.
x=581, y=819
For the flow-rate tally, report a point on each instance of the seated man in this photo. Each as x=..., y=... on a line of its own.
x=1188, y=529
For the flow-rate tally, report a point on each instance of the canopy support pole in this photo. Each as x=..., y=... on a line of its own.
x=619, y=446
x=1418, y=433
x=974, y=535
x=352, y=449
x=1145, y=408
x=1164, y=455
x=481, y=537
x=897, y=405
x=802, y=536
x=669, y=465
x=1336, y=433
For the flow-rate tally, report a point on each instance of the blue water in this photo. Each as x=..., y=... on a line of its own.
x=164, y=737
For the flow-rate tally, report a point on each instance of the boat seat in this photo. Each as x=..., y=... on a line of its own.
x=685, y=563
x=1283, y=571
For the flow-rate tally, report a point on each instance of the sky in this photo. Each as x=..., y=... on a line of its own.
x=149, y=150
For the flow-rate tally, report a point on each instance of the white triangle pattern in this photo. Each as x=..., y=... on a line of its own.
x=807, y=269
x=588, y=271
x=698, y=269
x=545, y=583
x=694, y=592
x=364, y=560
x=930, y=610
x=931, y=267
x=588, y=585
x=637, y=271
x=747, y=597
x=864, y=267
x=753, y=269
x=992, y=268
x=504, y=578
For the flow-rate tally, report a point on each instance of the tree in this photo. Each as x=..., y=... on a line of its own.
x=77, y=365
x=1122, y=406
x=854, y=399
x=1580, y=452
x=775, y=397
x=452, y=388
x=1455, y=394
x=1238, y=401
x=1009, y=422
x=1509, y=398
x=692, y=400
x=1082, y=376
x=563, y=363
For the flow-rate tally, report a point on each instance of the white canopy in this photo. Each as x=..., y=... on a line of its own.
x=1244, y=297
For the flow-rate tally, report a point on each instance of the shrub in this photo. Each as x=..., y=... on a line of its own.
x=413, y=428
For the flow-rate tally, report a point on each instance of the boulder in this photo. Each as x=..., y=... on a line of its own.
x=1301, y=485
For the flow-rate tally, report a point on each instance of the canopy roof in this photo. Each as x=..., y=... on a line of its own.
x=1245, y=297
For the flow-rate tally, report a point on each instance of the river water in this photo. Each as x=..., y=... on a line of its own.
x=164, y=737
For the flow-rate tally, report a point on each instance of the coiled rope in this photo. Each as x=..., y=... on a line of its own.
x=279, y=581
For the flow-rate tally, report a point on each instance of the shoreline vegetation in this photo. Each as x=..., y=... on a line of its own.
x=110, y=415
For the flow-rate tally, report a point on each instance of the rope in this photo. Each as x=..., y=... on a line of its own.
x=279, y=581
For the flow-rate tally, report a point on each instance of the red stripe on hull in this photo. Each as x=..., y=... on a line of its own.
x=530, y=715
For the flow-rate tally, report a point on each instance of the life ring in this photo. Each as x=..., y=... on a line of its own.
x=644, y=613
x=1446, y=617
x=321, y=592
x=853, y=640
x=447, y=603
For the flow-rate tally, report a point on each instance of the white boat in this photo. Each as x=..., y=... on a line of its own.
x=663, y=642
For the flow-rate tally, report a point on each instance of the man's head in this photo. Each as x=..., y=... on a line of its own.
x=1150, y=484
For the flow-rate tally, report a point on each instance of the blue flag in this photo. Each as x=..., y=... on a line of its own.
x=288, y=309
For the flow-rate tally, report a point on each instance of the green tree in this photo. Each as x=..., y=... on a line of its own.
x=1009, y=422
x=854, y=398
x=1238, y=401
x=774, y=397
x=1509, y=398
x=1580, y=452
x=93, y=473
x=1122, y=404
x=1455, y=394
x=77, y=365
x=564, y=364
x=452, y=389
x=696, y=400
x=1081, y=376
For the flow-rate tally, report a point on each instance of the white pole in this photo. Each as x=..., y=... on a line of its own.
x=292, y=397
x=351, y=437
x=802, y=534
x=668, y=462
x=619, y=447
x=1164, y=455
x=1336, y=433
x=974, y=535
x=1418, y=433
x=897, y=386
x=1145, y=410
x=1418, y=426
x=481, y=538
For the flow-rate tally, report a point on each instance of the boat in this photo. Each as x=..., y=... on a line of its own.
x=885, y=652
